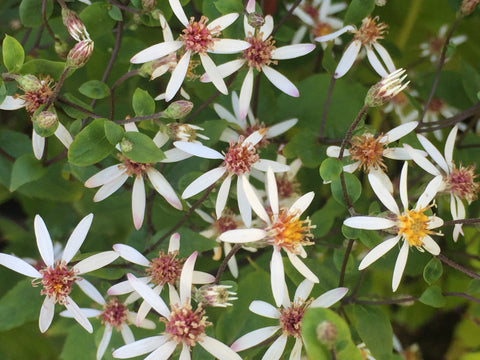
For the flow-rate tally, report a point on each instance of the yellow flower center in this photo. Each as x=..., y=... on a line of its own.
x=413, y=226
x=291, y=233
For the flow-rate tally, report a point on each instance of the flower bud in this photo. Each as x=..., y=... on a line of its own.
x=79, y=55
x=45, y=123
x=185, y=132
x=29, y=82
x=126, y=145
x=468, y=6
x=327, y=333
x=385, y=90
x=74, y=25
x=380, y=2
x=215, y=295
x=149, y=5
x=178, y=109
x=255, y=20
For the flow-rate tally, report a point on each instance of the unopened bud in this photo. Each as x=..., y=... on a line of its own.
x=74, y=25
x=61, y=48
x=79, y=55
x=185, y=132
x=149, y=5
x=327, y=333
x=380, y=2
x=255, y=20
x=45, y=123
x=29, y=82
x=385, y=90
x=215, y=295
x=468, y=6
x=178, y=109
x=126, y=145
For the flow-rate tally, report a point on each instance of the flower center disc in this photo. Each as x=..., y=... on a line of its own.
x=132, y=167
x=461, y=182
x=291, y=319
x=260, y=52
x=114, y=313
x=368, y=150
x=321, y=29
x=165, y=268
x=240, y=157
x=413, y=226
x=370, y=31
x=290, y=232
x=197, y=37
x=57, y=281
x=37, y=98
x=185, y=325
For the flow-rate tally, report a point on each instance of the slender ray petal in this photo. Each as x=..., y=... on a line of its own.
x=186, y=278
x=222, y=196
x=383, y=193
x=330, y=297
x=421, y=161
x=19, y=265
x=348, y=58
x=46, y=314
x=127, y=334
x=77, y=238
x=264, y=164
x=38, y=144
x=225, y=114
x=378, y=251
x=246, y=94
x=277, y=276
x=303, y=290
x=198, y=150
x=280, y=81
x=63, y=135
x=292, y=51
x=369, y=223
x=213, y=73
x=433, y=152
x=78, y=314
x=104, y=176
x=185, y=354
x=301, y=267
x=244, y=206
x=130, y=254
x=400, y=131
x=430, y=192
x=264, y=309
x=222, y=22
x=203, y=181
x=164, y=188
x=110, y=187
x=400, y=266
x=149, y=296
x=297, y=350
x=178, y=75
x=12, y=103
x=335, y=34
x=275, y=350
x=140, y=347
x=163, y=352
x=138, y=202
x=385, y=56
x=178, y=11
x=229, y=46
x=449, y=146
x=376, y=64
x=44, y=242
x=90, y=290
x=241, y=236
x=254, y=338
x=225, y=69
x=218, y=349
x=267, y=28
x=95, y=262
x=302, y=203
x=430, y=245
x=156, y=51
x=254, y=201
x=107, y=335
x=280, y=128
x=272, y=192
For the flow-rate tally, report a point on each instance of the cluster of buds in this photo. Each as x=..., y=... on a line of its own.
x=80, y=53
x=385, y=90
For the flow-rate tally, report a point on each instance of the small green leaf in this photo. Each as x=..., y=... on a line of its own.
x=13, y=54
x=432, y=271
x=353, y=186
x=26, y=169
x=141, y=148
x=71, y=111
x=358, y=10
x=228, y=6
x=90, y=145
x=113, y=132
x=115, y=13
x=94, y=89
x=432, y=296
x=473, y=287
x=350, y=233
x=330, y=169
x=31, y=12
x=14, y=143
x=79, y=345
x=42, y=66
x=143, y=104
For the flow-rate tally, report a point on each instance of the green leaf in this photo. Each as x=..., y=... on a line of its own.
x=330, y=169
x=14, y=143
x=350, y=233
x=374, y=328
x=113, y=132
x=90, y=145
x=79, y=345
x=314, y=323
x=143, y=104
x=141, y=148
x=323, y=219
x=228, y=6
x=71, y=111
x=13, y=312
x=42, y=66
x=432, y=271
x=115, y=13
x=432, y=296
x=13, y=54
x=5, y=171
x=97, y=19
x=473, y=287
x=358, y=10
x=94, y=89
x=31, y=12
x=26, y=169
x=353, y=186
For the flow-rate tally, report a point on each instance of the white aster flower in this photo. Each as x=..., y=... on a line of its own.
x=437, y=109
x=290, y=316
x=413, y=226
x=367, y=151
x=242, y=127
x=317, y=19
x=34, y=97
x=238, y=160
x=161, y=270
x=401, y=106
x=433, y=47
x=113, y=177
x=197, y=38
x=458, y=181
x=287, y=184
x=283, y=230
x=260, y=55
x=183, y=325
x=56, y=278
x=367, y=36
x=114, y=315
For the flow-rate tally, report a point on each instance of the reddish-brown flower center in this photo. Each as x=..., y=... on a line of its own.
x=257, y=127
x=310, y=10
x=321, y=29
x=185, y=325
x=35, y=99
x=291, y=233
x=166, y=268
x=291, y=318
x=260, y=52
x=114, y=313
x=436, y=45
x=240, y=157
x=225, y=223
x=370, y=31
x=436, y=105
x=132, y=167
x=197, y=37
x=57, y=281
x=285, y=187
x=461, y=182
x=368, y=150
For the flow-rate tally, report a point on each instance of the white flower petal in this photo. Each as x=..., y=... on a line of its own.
x=267, y=28
x=376, y=64
x=140, y=347
x=248, y=29
x=225, y=114
x=185, y=354
x=280, y=128
x=400, y=131
x=198, y=150
x=138, y=202
x=105, y=176
x=174, y=243
x=200, y=277
x=254, y=338
x=430, y=192
x=280, y=81
x=178, y=11
x=120, y=288
x=163, y=352
x=241, y=236
x=292, y=51
x=213, y=73
x=301, y=204
x=95, y=262
x=330, y=297
x=163, y=187
x=433, y=152
x=277, y=276
x=225, y=69
x=12, y=103
x=369, y=223
x=186, y=278
x=254, y=201
x=178, y=75
x=229, y=46
x=89, y=313
x=400, y=153
x=302, y=268
x=348, y=58
x=218, y=349
x=297, y=350
x=430, y=245
x=46, y=314
x=335, y=34
x=149, y=296
x=400, y=266
x=44, y=242
x=421, y=161
x=382, y=192
x=246, y=94
x=175, y=155
x=242, y=200
x=449, y=146
x=19, y=265
x=63, y=135
x=272, y=191
x=110, y=187
x=78, y=315
x=203, y=181
x=222, y=196
x=156, y=51
x=130, y=254
x=223, y=22
x=385, y=56
x=107, y=335
x=303, y=290
x=77, y=238
x=91, y=291
x=264, y=164
x=275, y=351
x=38, y=144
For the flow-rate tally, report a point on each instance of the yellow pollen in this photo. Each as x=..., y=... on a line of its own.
x=291, y=233
x=368, y=150
x=413, y=226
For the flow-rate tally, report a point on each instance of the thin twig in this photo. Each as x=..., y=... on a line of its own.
x=463, y=295
x=224, y=263
x=458, y=267
x=78, y=107
x=345, y=261
x=462, y=221
x=325, y=108
x=45, y=22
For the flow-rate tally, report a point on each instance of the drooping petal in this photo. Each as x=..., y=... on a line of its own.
x=430, y=245
x=77, y=238
x=302, y=268
x=433, y=152
x=163, y=187
x=140, y=347
x=178, y=75
x=95, y=262
x=330, y=297
x=347, y=59
x=218, y=349
x=138, y=202
x=12, y=103
x=400, y=266
x=123, y=287
x=246, y=94
x=185, y=354
x=222, y=196
x=149, y=296
x=385, y=56
x=297, y=350
x=244, y=206
x=200, y=277
x=131, y=254
x=280, y=81
x=213, y=73
x=107, y=335
x=38, y=145
x=229, y=46
x=301, y=204
x=19, y=265
x=335, y=34
x=254, y=338
x=178, y=11
x=376, y=64
x=44, y=242
x=241, y=236
x=198, y=150
x=63, y=135
x=104, y=176
x=127, y=334
x=78, y=315
x=186, y=278
x=156, y=51
x=145, y=307
x=369, y=223
x=400, y=131
x=430, y=192
x=272, y=192
x=450, y=145
x=383, y=193
x=110, y=187
x=91, y=291
x=225, y=114
x=275, y=350
x=225, y=69
x=421, y=161
x=378, y=251
x=277, y=276
x=254, y=201
x=292, y=51
x=46, y=314
x=203, y=182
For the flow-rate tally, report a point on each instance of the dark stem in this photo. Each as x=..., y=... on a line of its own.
x=325, y=108
x=256, y=93
x=431, y=126
x=345, y=261
x=458, y=267
x=352, y=300
x=463, y=295
x=224, y=263
x=44, y=19
x=140, y=118
x=462, y=221
x=26, y=36
x=58, y=86
x=285, y=17
x=78, y=107
x=114, y=86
